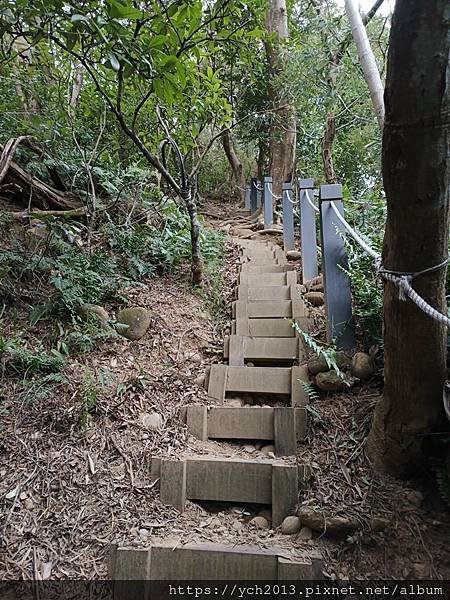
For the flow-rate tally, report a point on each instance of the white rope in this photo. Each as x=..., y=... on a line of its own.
x=269, y=187
x=402, y=281
x=289, y=197
x=364, y=245
x=311, y=203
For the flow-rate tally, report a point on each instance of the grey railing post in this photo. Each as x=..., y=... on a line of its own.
x=267, y=202
x=308, y=233
x=288, y=218
x=253, y=195
x=338, y=297
x=247, y=197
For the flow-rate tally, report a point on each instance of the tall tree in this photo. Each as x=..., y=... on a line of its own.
x=367, y=59
x=416, y=172
x=283, y=125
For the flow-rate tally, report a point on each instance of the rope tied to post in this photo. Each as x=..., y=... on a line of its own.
x=401, y=279
x=269, y=187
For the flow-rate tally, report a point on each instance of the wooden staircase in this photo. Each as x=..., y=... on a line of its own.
x=263, y=354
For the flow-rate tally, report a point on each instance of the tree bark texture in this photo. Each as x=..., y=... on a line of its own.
x=196, y=254
x=327, y=149
x=283, y=124
x=367, y=59
x=235, y=163
x=416, y=172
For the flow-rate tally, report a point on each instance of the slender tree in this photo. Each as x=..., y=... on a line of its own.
x=416, y=172
x=367, y=59
x=283, y=126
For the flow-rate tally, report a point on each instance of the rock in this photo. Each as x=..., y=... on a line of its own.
x=342, y=360
x=315, y=298
x=196, y=358
x=415, y=498
x=315, y=285
x=248, y=448
x=332, y=525
x=28, y=504
x=290, y=525
x=134, y=531
x=137, y=319
x=259, y=522
x=241, y=232
x=268, y=449
x=237, y=526
x=317, y=364
x=293, y=255
x=305, y=534
x=420, y=571
x=200, y=380
x=329, y=382
x=362, y=366
x=152, y=421
x=234, y=402
x=87, y=310
x=143, y=533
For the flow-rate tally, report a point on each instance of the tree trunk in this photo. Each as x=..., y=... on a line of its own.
x=196, y=254
x=327, y=149
x=283, y=123
x=235, y=163
x=416, y=172
x=367, y=59
x=77, y=86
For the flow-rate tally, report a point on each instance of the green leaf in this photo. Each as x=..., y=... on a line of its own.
x=121, y=11
x=76, y=18
x=157, y=41
x=113, y=61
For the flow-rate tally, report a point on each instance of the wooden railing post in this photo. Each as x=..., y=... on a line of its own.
x=288, y=218
x=258, y=193
x=253, y=195
x=338, y=298
x=247, y=197
x=267, y=202
x=308, y=234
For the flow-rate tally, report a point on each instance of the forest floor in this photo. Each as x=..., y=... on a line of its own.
x=72, y=483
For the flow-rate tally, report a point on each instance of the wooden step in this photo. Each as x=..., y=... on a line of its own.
x=252, y=269
x=279, y=381
x=290, y=309
x=268, y=293
x=276, y=328
x=282, y=425
x=239, y=349
x=268, y=279
x=229, y=480
x=169, y=561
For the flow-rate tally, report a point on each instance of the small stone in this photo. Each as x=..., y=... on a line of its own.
x=293, y=255
x=200, y=380
x=331, y=525
x=137, y=320
x=28, y=504
x=259, y=445
x=234, y=403
x=259, y=522
x=152, y=421
x=317, y=364
x=315, y=285
x=268, y=449
x=143, y=533
x=362, y=366
x=196, y=358
x=415, y=498
x=330, y=381
x=241, y=232
x=379, y=523
x=134, y=531
x=237, y=526
x=315, y=298
x=88, y=310
x=290, y=525
x=305, y=534
x=248, y=448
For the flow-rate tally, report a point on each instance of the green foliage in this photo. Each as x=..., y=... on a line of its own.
x=26, y=362
x=329, y=353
